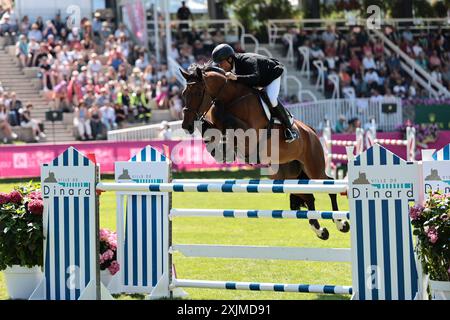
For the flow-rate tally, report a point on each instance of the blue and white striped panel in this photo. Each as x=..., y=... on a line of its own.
x=69, y=226
x=443, y=154
x=378, y=156
x=149, y=154
x=145, y=257
x=384, y=250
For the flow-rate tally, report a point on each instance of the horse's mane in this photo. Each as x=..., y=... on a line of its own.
x=194, y=68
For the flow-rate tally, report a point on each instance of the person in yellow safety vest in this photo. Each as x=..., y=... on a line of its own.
x=139, y=102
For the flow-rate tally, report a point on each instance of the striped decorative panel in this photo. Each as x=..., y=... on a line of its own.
x=380, y=188
x=142, y=224
x=70, y=258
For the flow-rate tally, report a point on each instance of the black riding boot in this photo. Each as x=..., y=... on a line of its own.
x=289, y=133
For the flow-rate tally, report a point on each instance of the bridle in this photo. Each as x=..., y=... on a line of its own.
x=201, y=116
x=198, y=116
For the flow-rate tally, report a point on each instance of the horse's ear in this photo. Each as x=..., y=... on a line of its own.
x=184, y=74
x=198, y=71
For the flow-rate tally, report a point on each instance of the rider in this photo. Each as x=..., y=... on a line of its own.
x=256, y=70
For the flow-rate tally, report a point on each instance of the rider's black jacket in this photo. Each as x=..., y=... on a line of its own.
x=256, y=70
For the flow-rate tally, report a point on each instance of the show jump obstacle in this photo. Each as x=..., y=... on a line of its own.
x=380, y=186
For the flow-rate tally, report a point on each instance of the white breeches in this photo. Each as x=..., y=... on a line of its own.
x=273, y=90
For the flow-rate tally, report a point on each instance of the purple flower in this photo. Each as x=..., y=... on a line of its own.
x=15, y=197
x=114, y=268
x=36, y=207
x=4, y=198
x=415, y=212
x=432, y=235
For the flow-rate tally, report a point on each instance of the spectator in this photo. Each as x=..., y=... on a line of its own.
x=166, y=131
x=49, y=30
x=25, y=25
x=97, y=24
x=329, y=36
x=121, y=30
x=5, y=127
x=15, y=106
x=340, y=125
x=108, y=116
x=120, y=115
x=40, y=23
x=353, y=124
x=35, y=33
x=97, y=126
x=29, y=122
x=82, y=123
x=183, y=14
x=22, y=51
x=176, y=104
x=59, y=24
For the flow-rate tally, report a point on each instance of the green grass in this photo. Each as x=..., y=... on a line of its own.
x=268, y=232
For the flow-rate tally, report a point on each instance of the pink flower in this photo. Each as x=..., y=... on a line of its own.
x=415, y=212
x=4, y=198
x=114, y=268
x=108, y=255
x=36, y=206
x=35, y=195
x=432, y=234
x=15, y=197
x=104, y=234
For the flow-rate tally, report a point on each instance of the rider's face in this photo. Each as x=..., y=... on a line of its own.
x=226, y=65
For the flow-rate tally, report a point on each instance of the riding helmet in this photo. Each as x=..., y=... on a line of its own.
x=222, y=52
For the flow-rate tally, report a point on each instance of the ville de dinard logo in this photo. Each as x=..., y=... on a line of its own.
x=63, y=188
x=434, y=176
x=125, y=176
x=388, y=190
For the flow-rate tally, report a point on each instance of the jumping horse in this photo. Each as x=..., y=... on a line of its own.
x=222, y=104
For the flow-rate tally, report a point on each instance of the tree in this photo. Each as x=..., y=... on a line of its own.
x=253, y=14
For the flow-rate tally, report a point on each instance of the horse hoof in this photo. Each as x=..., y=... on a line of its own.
x=345, y=227
x=324, y=235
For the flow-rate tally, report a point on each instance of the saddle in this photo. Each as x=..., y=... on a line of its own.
x=267, y=106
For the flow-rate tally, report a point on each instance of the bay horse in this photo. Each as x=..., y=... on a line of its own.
x=208, y=91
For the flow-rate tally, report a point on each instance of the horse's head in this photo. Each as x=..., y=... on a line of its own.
x=196, y=101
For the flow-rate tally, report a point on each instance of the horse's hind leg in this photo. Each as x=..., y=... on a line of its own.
x=308, y=200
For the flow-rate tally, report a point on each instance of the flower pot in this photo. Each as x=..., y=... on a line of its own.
x=21, y=281
x=105, y=277
x=440, y=290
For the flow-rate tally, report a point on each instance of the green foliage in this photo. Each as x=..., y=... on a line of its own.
x=253, y=14
x=21, y=232
x=432, y=227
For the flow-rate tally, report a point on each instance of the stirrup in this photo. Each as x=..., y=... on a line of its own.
x=291, y=135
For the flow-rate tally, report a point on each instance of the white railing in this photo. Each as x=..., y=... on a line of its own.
x=174, y=69
x=416, y=72
x=148, y=132
x=316, y=113
x=276, y=28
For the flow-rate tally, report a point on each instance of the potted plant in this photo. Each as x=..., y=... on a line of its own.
x=431, y=224
x=21, y=239
x=108, y=255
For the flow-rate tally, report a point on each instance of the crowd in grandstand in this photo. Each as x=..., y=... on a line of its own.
x=361, y=62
